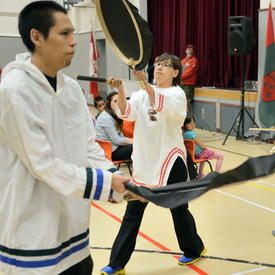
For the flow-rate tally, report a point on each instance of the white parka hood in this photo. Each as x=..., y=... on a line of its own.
x=23, y=62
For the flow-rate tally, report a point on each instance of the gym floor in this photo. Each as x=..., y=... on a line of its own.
x=235, y=223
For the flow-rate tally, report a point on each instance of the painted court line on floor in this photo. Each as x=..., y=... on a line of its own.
x=193, y=267
x=249, y=271
x=260, y=186
x=173, y=253
x=238, y=198
x=265, y=182
x=238, y=261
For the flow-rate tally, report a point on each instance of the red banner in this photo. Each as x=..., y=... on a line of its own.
x=93, y=68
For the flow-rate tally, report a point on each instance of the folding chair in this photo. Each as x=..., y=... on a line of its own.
x=190, y=146
x=107, y=147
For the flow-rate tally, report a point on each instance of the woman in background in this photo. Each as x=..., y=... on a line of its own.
x=109, y=128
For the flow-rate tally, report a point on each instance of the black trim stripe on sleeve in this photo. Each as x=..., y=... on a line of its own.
x=89, y=183
x=112, y=170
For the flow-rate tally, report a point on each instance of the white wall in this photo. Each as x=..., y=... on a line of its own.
x=83, y=17
x=9, y=11
x=264, y=4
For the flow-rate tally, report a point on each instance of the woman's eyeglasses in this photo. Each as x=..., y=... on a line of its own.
x=152, y=114
x=163, y=65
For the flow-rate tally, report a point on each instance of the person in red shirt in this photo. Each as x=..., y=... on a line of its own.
x=190, y=67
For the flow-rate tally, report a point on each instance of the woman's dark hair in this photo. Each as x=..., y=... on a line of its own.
x=37, y=15
x=188, y=120
x=108, y=109
x=176, y=63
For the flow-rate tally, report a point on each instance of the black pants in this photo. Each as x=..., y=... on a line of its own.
x=189, y=241
x=85, y=267
x=122, y=152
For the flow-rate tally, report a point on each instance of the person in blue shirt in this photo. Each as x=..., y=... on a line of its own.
x=201, y=151
x=109, y=128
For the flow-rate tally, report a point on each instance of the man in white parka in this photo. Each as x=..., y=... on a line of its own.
x=50, y=165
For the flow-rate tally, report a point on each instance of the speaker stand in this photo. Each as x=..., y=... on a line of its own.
x=240, y=116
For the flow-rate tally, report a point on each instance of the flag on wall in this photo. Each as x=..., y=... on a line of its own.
x=267, y=94
x=93, y=70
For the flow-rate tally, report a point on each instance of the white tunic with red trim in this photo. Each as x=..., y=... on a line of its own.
x=157, y=144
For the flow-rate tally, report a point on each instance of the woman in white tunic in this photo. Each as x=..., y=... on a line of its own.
x=159, y=157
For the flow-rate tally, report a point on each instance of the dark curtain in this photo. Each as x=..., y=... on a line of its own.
x=204, y=23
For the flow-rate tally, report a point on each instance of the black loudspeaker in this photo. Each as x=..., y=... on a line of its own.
x=241, y=38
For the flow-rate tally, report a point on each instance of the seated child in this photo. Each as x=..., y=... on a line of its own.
x=99, y=104
x=201, y=151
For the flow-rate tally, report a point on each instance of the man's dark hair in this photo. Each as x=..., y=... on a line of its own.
x=176, y=63
x=37, y=15
x=97, y=99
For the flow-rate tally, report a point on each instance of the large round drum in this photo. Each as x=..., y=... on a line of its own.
x=126, y=31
